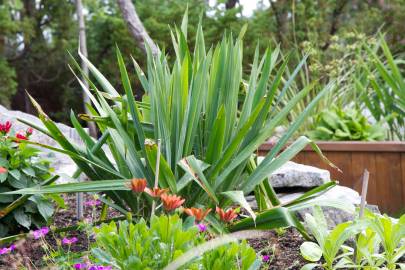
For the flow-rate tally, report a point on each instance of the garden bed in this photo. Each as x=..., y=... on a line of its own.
x=280, y=250
x=384, y=160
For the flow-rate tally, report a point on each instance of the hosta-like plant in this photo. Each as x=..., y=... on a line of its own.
x=208, y=135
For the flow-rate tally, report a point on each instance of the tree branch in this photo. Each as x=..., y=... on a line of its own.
x=335, y=21
x=136, y=27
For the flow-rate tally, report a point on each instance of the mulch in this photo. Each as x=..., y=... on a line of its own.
x=282, y=246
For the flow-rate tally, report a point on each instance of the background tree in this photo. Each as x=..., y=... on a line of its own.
x=35, y=36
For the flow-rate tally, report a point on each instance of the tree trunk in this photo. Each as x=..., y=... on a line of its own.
x=136, y=27
x=231, y=4
x=86, y=99
x=83, y=50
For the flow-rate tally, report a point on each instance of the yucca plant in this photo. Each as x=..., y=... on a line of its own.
x=208, y=136
x=383, y=88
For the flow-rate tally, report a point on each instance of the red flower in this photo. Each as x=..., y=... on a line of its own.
x=156, y=192
x=226, y=216
x=171, y=202
x=138, y=185
x=198, y=213
x=19, y=136
x=5, y=128
x=2, y=170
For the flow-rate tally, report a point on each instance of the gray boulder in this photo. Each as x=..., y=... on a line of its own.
x=292, y=174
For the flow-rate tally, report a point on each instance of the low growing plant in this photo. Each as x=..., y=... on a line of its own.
x=379, y=243
x=21, y=168
x=330, y=244
x=128, y=245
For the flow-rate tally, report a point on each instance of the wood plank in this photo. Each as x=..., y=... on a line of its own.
x=391, y=146
x=388, y=186
x=402, y=205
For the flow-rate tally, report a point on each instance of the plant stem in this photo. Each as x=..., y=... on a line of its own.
x=156, y=176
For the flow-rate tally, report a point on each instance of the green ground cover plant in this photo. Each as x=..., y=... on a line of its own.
x=377, y=242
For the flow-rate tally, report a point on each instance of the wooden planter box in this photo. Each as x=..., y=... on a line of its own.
x=384, y=160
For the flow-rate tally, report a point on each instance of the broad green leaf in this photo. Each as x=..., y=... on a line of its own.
x=22, y=218
x=311, y=251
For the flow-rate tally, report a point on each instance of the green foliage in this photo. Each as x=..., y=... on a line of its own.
x=370, y=233
x=329, y=244
x=382, y=86
x=337, y=124
x=233, y=256
x=326, y=29
x=208, y=135
x=139, y=246
x=390, y=234
x=24, y=169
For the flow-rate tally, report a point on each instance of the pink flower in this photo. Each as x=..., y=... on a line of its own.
x=5, y=128
x=67, y=241
x=6, y=250
x=202, y=227
x=92, y=202
x=41, y=232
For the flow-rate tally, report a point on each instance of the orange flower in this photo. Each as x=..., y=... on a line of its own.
x=171, y=202
x=3, y=170
x=138, y=185
x=226, y=216
x=156, y=192
x=198, y=213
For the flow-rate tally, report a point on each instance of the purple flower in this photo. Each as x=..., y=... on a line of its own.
x=7, y=249
x=266, y=258
x=92, y=203
x=202, y=227
x=100, y=267
x=67, y=241
x=41, y=232
x=80, y=266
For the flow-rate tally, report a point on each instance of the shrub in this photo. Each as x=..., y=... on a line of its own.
x=22, y=168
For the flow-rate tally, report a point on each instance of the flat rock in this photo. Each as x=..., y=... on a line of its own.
x=293, y=174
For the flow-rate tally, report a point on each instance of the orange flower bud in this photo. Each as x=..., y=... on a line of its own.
x=171, y=202
x=156, y=192
x=198, y=213
x=226, y=216
x=138, y=185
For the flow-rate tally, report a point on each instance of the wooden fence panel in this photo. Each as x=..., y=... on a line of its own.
x=384, y=160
